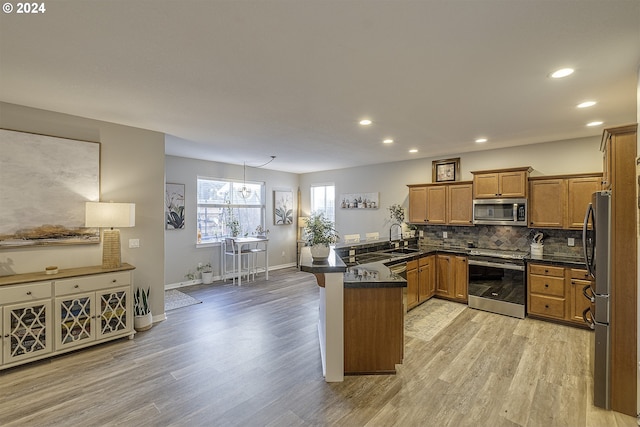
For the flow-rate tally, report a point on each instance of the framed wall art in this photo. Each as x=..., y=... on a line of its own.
x=45, y=182
x=174, y=206
x=446, y=170
x=359, y=200
x=283, y=207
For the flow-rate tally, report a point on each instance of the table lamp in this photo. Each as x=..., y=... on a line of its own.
x=110, y=215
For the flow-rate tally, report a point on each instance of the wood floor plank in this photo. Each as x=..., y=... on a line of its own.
x=249, y=356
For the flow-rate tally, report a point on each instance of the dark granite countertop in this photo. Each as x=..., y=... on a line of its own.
x=558, y=259
x=333, y=265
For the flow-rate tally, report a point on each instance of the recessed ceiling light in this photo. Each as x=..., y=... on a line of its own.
x=596, y=123
x=564, y=72
x=365, y=122
x=413, y=150
x=586, y=104
x=481, y=140
x=388, y=141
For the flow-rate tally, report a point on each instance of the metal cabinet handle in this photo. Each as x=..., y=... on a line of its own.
x=76, y=286
x=546, y=285
x=28, y=292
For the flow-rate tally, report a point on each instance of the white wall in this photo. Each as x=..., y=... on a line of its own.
x=181, y=253
x=131, y=170
x=391, y=179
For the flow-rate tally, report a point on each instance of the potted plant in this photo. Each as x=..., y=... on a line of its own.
x=319, y=233
x=143, y=319
x=206, y=272
x=232, y=223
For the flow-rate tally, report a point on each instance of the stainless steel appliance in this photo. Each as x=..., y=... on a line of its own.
x=497, y=281
x=500, y=211
x=596, y=233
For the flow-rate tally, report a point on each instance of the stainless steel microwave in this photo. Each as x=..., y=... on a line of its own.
x=500, y=211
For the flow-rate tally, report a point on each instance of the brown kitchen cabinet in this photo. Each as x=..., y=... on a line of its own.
x=412, y=284
x=452, y=277
x=561, y=201
x=555, y=293
x=420, y=280
x=441, y=204
x=501, y=183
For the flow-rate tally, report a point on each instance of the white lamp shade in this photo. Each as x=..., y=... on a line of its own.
x=98, y=214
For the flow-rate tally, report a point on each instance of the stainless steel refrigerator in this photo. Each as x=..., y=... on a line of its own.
x=596, y=240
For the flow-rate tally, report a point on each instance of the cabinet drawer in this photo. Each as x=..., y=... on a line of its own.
x=425, y=260
x=547, y=306
x=553, y=286
x=412, y=265
x=580, y=274
x=21, y=293
x=91, y=283
x=546, y=270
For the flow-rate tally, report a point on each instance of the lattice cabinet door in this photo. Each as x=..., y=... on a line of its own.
x=114, y=311
x=75, y=320
x=26, y=330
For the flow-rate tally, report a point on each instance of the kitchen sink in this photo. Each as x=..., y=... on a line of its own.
x=401, y=251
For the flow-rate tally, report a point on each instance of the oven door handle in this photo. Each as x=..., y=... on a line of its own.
x=496, y=265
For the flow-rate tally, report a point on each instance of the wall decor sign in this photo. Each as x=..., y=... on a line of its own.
x=282, y=207
x=44, y=184
x=446, y=170
x=359, y=201
x=174, y=206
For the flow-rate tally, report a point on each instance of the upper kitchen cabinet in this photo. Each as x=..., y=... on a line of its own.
x=441, y=204
x=501, y=183
x=561, y=201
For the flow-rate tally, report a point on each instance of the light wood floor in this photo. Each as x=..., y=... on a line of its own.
x=249, y=356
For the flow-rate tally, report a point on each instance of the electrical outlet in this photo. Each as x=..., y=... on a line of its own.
x=134, y=243
x=444, y=234
x=421, y=233
x=571, y=241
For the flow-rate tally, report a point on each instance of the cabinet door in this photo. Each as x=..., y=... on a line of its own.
x=412, y=288
x=437, y=204
x=26, y=330
x=444, y=276
x=548, y=200
x=485, y=186
x=460, y=204
x=461, y=275
x=579, y=191
x=114, y=312
x=512, y=184
x=417, y=204
x=578, y=301
x=606, y=164
x=426, y=273
x=75, y=320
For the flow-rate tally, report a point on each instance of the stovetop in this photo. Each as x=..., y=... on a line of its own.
x=496, y=253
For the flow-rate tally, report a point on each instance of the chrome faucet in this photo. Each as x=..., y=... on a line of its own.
x=391, y=228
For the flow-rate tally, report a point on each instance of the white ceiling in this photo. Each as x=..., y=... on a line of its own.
x=240, y=81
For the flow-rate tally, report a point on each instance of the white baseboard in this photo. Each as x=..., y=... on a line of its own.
x=218, y=278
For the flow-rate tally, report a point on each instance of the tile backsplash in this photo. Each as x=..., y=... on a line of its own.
x=507, y=238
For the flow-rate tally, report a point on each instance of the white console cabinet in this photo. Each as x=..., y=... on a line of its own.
x=44, y=315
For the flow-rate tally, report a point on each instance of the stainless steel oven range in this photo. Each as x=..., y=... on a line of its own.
x=497, y=281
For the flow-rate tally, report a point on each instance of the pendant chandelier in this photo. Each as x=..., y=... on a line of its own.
x=245, y=192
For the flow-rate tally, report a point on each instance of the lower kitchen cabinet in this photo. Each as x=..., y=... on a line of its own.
x=420, y=280
x=555, y=293
x=452, y=277
x=80, y=307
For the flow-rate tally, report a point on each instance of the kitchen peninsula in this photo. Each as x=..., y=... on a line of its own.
x=361, y=317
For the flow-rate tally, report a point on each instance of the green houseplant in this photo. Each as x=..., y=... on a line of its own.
x=319, y=234
x=143, y=318
x=206, y=272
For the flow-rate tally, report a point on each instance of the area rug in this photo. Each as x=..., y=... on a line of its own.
x=174, y=299
x=425, y=321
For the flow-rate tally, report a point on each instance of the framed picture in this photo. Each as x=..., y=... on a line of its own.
x=45, y=182
x=282, y=207
x=446, y=170
x=174, y=206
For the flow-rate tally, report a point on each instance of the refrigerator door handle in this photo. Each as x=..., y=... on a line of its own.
x=585, y=243
x=589, y=321
x=591, y=297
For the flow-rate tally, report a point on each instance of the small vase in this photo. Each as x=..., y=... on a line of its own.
x=207, y=277
x=142, y=323
x=320, y=253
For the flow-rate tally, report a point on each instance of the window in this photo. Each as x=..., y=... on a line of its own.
x=323, y=200
x=223, y=206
